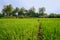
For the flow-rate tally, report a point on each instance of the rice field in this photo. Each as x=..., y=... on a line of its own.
x=18, y=29
x=27, y=29
x=51, y=28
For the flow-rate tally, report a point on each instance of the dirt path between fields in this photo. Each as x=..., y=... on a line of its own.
x=39, y=33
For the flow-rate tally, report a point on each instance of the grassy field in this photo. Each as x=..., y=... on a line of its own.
x=51, y=28
x=27, y=28
x=18, y=29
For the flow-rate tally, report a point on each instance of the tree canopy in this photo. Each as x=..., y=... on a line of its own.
x=8, y=10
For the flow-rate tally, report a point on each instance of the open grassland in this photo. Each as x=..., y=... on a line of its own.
x=27, y=28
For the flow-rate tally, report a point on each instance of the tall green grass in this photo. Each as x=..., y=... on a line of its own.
x=51, y=28
x=18, y=29
x=27, y=28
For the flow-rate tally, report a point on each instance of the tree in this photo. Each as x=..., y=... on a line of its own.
x=41, y=11
x=7, y=10
x=1, y=15
x=31, y=12
x=16, y=10
x=21, y=11
x=26, y=13
x=52, y=15
x=58, y=15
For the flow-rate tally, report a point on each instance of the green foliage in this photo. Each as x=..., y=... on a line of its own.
x=53, y=15
x=21, y=11
x=7, y=10
x=16, y=10
x=1, y=15
x=31, y=12
x=41, y=11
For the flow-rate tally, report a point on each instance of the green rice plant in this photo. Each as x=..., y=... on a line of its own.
x=27, y=28
x=18, y=29
x=50, y=28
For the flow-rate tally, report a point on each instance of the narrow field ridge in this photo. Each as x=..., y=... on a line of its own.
x=39, y=34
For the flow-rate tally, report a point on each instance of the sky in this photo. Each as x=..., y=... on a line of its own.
x=52, y=6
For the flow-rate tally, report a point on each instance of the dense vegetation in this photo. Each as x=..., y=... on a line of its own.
x=27, y=29
x=50, y=28
x=9, y=11
x=18, y=29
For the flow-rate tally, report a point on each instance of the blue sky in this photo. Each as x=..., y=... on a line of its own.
x=50, y=5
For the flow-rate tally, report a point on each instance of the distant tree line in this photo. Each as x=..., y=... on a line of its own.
x=9, y=11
